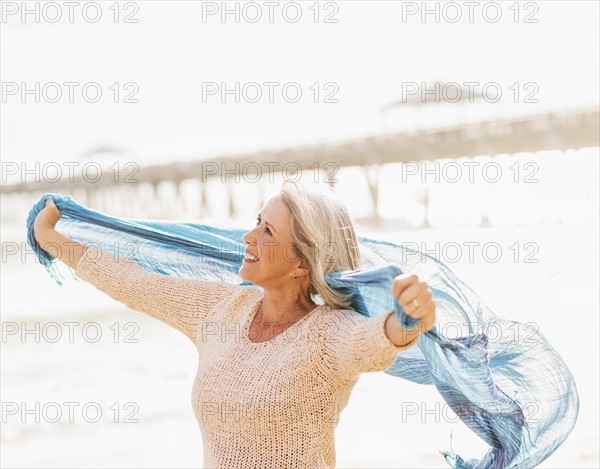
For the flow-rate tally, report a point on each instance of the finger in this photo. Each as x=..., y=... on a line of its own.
x=424, y=310
x=414, y=298
x=401, y=282
x=428, y=320
x=417, y=313
x=53, y=208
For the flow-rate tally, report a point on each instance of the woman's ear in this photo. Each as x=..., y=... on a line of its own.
x=302, y=270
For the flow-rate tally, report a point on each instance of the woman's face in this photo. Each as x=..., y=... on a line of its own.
x=270, y=259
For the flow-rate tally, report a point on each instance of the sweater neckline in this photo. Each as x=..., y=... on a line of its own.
x=252, y=315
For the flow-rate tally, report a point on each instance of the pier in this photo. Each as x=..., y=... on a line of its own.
x=552, y=131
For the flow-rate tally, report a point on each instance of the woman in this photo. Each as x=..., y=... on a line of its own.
x=275, y=368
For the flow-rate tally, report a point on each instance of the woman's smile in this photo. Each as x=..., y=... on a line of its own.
x=250, y=258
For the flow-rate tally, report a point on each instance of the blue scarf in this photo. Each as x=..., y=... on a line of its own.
x=491, y=375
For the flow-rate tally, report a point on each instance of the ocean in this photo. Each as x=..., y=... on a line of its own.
x=88, y=383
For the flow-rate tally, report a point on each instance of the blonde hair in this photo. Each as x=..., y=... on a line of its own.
x=324, y=237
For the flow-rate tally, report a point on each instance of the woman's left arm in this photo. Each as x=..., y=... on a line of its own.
x=359, y=345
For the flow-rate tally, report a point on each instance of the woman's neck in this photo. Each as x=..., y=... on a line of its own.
x=282, y=310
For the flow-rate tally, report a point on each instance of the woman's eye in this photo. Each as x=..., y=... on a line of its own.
x=267, y=229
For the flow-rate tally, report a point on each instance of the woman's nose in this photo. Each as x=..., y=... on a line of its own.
x=247, y=238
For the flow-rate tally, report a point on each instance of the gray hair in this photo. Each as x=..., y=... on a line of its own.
x=324, y=236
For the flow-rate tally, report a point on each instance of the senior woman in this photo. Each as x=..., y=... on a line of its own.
x=275, y=368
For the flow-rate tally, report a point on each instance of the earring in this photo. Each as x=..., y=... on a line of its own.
x=295, y=275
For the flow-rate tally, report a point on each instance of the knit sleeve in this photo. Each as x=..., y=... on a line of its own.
x=178, y=302
x=357, y=344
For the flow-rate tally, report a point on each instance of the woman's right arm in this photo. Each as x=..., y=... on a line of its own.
x=178, y=302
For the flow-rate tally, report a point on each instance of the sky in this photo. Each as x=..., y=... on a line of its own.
x=172, y=55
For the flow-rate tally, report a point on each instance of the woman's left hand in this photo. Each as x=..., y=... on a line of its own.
x=417, y=301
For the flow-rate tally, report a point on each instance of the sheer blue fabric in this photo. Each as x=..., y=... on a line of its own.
x=502, y=378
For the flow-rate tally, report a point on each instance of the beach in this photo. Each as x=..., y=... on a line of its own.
x=138, y=373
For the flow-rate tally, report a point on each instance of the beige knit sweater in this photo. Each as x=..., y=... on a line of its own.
x=272, y=404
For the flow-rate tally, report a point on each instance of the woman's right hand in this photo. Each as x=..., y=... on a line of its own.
x=51, y=240
x=47, y=218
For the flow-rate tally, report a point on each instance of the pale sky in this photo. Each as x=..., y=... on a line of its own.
x=368, y=55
